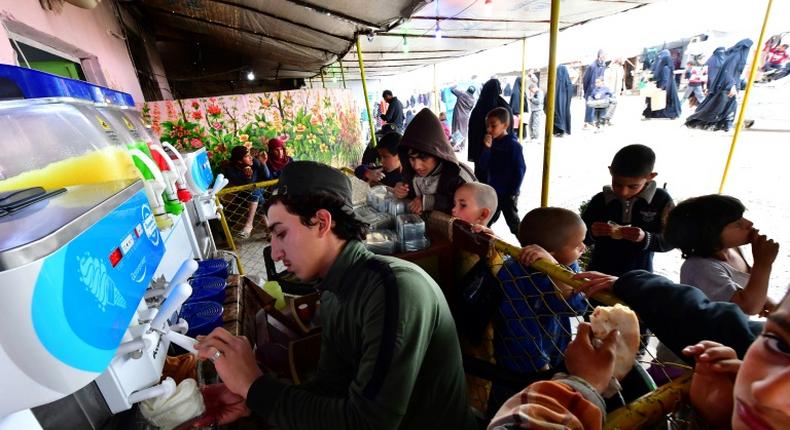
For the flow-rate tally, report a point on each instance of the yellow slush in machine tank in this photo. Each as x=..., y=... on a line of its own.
x=55, y=145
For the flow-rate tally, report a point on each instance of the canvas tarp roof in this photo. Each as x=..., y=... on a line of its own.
x=215, y=40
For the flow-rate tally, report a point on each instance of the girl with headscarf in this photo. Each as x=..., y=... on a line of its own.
x=717, y=111
x=278, y=156
x=562, y=104
x=489, y=99
x=243, y=168
x=663, y=74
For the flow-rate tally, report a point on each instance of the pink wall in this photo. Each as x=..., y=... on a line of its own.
x=79, y=32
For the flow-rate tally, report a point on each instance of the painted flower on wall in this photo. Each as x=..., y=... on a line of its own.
x=320, y=125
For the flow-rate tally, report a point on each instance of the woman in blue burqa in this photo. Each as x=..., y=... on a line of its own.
x=562, y=103
x=717, y=111
x=489, y=99
x=663, y=74
x=714, y=63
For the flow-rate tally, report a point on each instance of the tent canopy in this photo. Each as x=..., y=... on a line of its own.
x=211, y=42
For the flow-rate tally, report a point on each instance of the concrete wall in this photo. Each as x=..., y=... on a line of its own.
x=94, y=36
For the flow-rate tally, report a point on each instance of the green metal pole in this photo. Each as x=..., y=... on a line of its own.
x=551, y=90
x=752, y=73
x=373, y=141
x=342, y=73
x=323, y=82
x=523, y=88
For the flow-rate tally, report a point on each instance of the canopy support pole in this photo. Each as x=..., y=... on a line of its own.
x=323, y=82
x=752, y=73
x=373, y=141
x=550, y=99
x=523, y=87
x=342, y=73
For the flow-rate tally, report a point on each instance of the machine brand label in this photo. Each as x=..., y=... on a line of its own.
x=93, y=274
x=149, y=224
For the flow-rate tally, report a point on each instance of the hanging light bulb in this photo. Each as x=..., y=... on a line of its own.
x=405, y=45
x=488, y=7
x=438, y=31
x=250, y=76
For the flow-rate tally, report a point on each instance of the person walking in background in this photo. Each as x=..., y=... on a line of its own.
x=489, y=100
x=713, y=65
x=536, y=114
x=614, y=79
x=515, y=105
x=717, y=111
x=591, y=74
x=696, y=76
x=394, y=114
x=562, y=102
x=464, y=102
x=663, y=74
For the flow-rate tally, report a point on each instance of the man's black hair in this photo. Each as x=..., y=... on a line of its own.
x=345, y=226
x=695, y=225
x=386, y=93
x=633, y=161
x=500, y=114
x=389, y=142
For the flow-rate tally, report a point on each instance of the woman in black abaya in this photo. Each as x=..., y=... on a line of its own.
x=663, y=74
x=717, y=111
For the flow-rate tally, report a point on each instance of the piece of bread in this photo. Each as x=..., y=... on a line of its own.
x=618, y=317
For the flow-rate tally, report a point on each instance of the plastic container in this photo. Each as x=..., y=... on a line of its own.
x=382, y=242
x=415, y=244
x=202, y=317
x=397, y=207
x=207, y=288
x=378, y=197
x=376, y=220
x=410, y=227
x=274, y=289
x=212, y=267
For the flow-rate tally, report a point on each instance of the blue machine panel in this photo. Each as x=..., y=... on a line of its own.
x=201, y=171
x=88, y=291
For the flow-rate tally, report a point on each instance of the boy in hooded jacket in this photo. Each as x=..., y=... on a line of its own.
x=431, y=172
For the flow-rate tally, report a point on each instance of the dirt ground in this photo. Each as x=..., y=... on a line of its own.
x=690, y=163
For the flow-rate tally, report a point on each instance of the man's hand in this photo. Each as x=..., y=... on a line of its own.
x=401, y=190
x=633, y=234
x=488, y=140
x=222, y=406
x=416, y=205
x=713, y=381
x=248, y=171
x=235, y=365
x=601, y=229
x=594, y=365
x=732, y=92
x=374, y=175
x=595, y=282
x=531, y=253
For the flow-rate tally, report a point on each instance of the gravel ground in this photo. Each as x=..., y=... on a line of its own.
x=690, y=163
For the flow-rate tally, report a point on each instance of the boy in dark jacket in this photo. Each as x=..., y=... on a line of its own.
x=625, y=220
x=431, y=173
x=501, y=165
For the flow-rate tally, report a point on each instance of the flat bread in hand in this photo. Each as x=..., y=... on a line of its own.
x=618, y=317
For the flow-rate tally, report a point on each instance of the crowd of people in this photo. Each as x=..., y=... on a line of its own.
x=392, y=345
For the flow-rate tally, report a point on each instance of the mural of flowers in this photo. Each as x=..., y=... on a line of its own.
x=317, y=124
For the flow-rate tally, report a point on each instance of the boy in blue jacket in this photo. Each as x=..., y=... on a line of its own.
x=502, y=166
